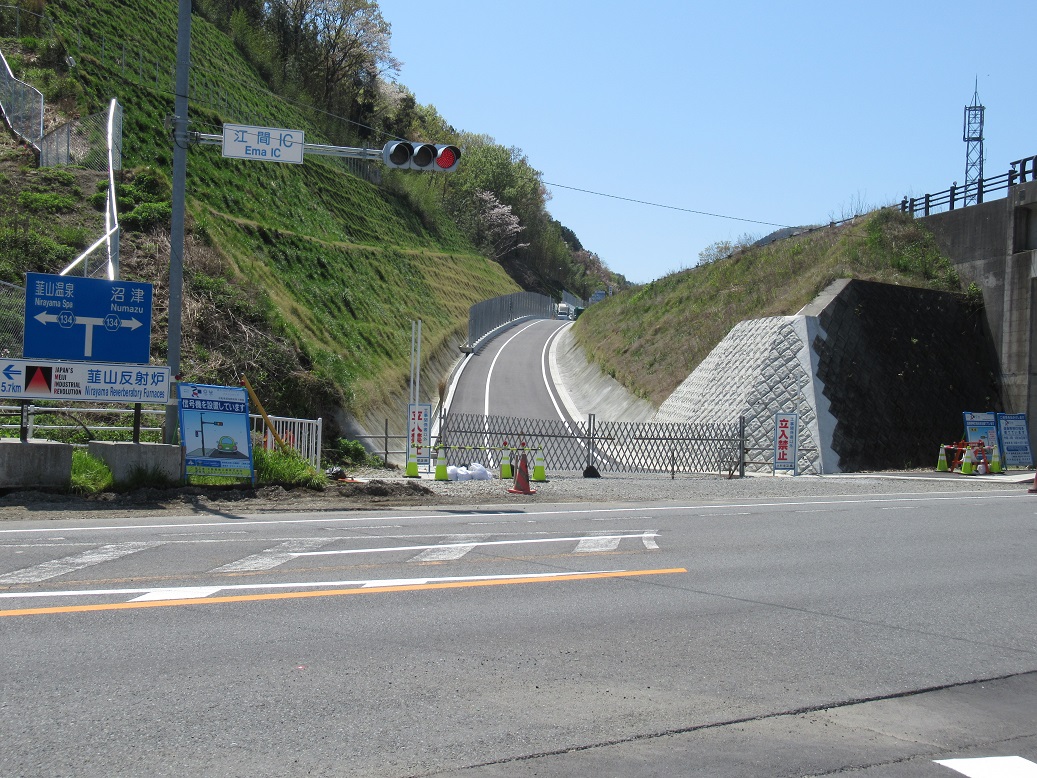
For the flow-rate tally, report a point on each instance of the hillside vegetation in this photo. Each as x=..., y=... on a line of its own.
x=651, y=338
x=304, y=277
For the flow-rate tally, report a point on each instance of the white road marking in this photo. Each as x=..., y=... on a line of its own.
x=56, y=567
x=449, y=552
x=648, y=538
x=525, y=541
x=181, y=593
x=199, y=592
x=992, y=767
x=273, y=557
x=598, y=543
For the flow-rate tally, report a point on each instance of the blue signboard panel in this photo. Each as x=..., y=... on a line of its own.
x=87, y=319
x=214, y=431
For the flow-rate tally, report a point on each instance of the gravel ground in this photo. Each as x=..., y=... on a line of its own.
x=379, y=489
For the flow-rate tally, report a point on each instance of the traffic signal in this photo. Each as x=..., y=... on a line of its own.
x=421, y=156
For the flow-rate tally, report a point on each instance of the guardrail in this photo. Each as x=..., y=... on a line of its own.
x=973, y=194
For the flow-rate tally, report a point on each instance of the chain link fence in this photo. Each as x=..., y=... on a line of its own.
x=21, y=105
x=84, y=142
x=12, y=319
x=618, y=447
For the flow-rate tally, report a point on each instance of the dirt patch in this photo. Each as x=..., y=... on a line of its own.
x=338, y=496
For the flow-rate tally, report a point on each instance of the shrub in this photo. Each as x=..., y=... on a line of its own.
x=147, y=216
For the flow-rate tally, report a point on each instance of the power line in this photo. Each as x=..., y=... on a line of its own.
x=670, y=207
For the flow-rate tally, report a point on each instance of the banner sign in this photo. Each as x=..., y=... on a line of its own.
x=981, y=427
x=418, y=421
x=786, y=441
x=214, y=431
x=1015, y=440
x=40, y=379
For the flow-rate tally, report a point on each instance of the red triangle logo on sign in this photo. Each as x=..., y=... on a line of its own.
x=38, y=378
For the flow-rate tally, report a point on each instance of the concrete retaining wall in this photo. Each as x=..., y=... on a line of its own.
x=38, y=464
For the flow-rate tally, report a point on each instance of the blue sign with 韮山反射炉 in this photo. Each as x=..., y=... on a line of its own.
x=87, y=319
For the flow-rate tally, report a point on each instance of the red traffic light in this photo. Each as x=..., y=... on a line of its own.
x=447, y=157
x=420, y=156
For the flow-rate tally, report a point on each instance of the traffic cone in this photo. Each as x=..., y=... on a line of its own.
x=441, y=474
x=412, y=464
x=505, y=463
x=522, y=478
x=941, y=463
x=539, y=473
x=968, y=462
x=995, y=459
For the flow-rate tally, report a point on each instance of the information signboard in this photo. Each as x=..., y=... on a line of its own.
x=40, y=379
x=981, y=427
x=269, y=144
x=87, y=319
x=786, y=441
x=1015, y=440
x=214, y=431
x=419, y=419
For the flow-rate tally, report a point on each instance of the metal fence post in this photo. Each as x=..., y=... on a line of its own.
x=386, y=460
x=741, y=446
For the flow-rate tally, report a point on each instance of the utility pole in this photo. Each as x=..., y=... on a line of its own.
x=176, y=235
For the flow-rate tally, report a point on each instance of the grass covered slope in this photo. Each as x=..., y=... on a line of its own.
x=304, y=277
x=651, y=338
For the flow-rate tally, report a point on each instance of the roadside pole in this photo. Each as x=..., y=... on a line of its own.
x=176, y=234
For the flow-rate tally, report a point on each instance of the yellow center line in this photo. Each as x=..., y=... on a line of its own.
x=113, y=606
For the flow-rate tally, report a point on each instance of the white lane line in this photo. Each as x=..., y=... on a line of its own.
x=198, y=592
x=648, y=538
x=598, y=544
x=450, y=551
x=526, y=541
x=992, y=767
x=56, y=567
x=270, y=558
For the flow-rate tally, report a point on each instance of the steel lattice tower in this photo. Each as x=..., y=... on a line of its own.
x=973, y=136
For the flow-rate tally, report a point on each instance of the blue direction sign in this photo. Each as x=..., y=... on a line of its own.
x=87, y=319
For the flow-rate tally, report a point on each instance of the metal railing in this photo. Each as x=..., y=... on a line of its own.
x=487, y=316
x=974, y=194
x=303, y=435
x=621, y=447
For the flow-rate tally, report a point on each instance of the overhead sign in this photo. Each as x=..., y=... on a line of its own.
x=92, y=319
x=786, y=441
x=32, y=379
x=214, y=430
x=271, y=144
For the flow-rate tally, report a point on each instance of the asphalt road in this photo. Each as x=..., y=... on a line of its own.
x=510, y=375
x=774, y=637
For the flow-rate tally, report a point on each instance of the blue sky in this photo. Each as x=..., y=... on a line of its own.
x=789, y=112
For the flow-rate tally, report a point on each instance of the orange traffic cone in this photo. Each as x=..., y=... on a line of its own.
x=522, y=478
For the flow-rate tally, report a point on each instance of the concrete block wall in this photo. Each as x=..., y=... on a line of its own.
x=762, y=367
x=879, y=377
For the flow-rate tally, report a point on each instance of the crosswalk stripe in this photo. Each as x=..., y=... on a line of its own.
x=458, y=548
x=69, y=564
x=273, y=557
x=597, y=544
x=992, y=767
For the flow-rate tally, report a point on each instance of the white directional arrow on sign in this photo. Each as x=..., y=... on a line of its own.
x=66, y=319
